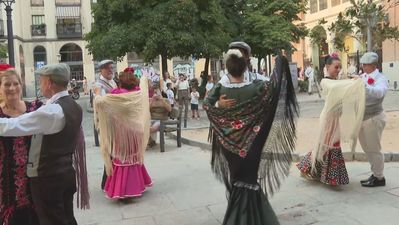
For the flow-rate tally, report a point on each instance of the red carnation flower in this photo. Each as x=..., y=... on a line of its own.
x=242, y=153
x=238, y=124
x=370, y=81
x=129, y=70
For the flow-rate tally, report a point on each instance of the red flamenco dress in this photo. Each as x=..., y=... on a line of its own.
x=16, y=206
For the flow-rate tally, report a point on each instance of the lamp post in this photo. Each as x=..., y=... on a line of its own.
x=10, y=34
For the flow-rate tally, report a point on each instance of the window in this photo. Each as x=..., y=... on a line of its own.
x=39, y=56
x=322, y=4
x=38, y=25
x=313, y=6
x=335, y=2
x=37, y=19
x=67, y=2
x=37, y=2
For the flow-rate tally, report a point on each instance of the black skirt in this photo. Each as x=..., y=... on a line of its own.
x=248, y=205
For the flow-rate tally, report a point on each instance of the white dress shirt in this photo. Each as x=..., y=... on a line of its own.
x=375, y=93
x=48, y=119
x=379, y=88
x=106, y=85
x=225, y=80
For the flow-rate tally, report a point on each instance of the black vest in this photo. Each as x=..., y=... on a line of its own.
x=57, y=149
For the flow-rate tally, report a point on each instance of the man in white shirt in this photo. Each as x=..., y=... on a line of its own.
x=374, y=119
x=55, y=128
x=104, y=85
x=309, y=73
x=249, y=77
x=105, y=82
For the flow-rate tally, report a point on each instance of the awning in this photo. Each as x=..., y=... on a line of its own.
x=67, y=12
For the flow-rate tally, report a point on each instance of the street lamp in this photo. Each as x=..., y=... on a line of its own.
x=10, y=34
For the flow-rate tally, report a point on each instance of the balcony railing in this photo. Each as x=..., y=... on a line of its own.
x=38, y=30
x=70, y=30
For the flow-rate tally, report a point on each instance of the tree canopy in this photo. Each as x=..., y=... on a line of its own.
x=198, y=28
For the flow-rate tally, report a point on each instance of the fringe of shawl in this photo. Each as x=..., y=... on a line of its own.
x=277, y=151
x=79, y=162
x=123, y=121
x=341, y=117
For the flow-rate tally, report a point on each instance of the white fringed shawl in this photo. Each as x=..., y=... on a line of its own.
x=342, y=115
x=123, y=121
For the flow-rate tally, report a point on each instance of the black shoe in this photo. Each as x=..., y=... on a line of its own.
x=374, y=182
x=367, y=180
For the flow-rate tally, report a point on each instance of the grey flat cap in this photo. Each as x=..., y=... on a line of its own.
x=105, y=62
x=240, y=45
x=369, y=58
x=60, y=70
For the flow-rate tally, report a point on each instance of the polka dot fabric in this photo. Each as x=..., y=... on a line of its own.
x=332, y=171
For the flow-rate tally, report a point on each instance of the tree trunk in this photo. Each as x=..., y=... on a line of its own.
x=269, y=70
x=259, y=61
x=164, y=63
x=206, y=67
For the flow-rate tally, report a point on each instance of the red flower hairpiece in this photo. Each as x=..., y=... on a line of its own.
x=5, y=66
x=129, y=70
x=334, y=55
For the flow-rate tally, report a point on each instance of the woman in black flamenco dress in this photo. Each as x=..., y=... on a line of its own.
x=253, y=140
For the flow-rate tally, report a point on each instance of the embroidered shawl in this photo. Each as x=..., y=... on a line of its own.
x=341, y=117
x=123, y=121
x=234, y=129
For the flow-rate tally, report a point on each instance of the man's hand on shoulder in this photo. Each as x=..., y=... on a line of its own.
x=226, y=103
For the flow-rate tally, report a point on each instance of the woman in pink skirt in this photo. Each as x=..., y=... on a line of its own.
x=123, y=119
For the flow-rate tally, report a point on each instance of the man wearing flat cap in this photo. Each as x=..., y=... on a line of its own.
x=249, y=77
x=374, y=118
x=55, y=128
x=105, y=82
x=104, y=85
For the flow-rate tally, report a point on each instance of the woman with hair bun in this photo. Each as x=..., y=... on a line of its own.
x=252, y=139
x=124, y=120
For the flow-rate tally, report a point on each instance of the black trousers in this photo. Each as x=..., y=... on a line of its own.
x=53, y=198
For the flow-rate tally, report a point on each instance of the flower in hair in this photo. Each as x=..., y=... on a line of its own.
x=334, y=55
x=129, y=70
x=231, y=52
x=4, y=67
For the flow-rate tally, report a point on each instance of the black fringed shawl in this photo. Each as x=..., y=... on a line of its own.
x=234, y=129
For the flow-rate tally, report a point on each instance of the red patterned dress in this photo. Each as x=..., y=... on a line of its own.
x=16, y=207
x=331, y=171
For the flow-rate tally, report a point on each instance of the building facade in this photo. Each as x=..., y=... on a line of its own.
x=47, y=32
x=355, y=47
x=308, y=52
x=390, y=52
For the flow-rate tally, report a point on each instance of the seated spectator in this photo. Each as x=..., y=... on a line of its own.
x=160, y=109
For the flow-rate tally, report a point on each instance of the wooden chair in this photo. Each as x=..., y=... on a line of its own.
x=170, y=125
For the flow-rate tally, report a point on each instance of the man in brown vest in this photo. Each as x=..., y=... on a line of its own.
x=55, y=128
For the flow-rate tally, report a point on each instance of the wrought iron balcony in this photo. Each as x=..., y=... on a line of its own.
x=69, y=30
x=38, y=30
